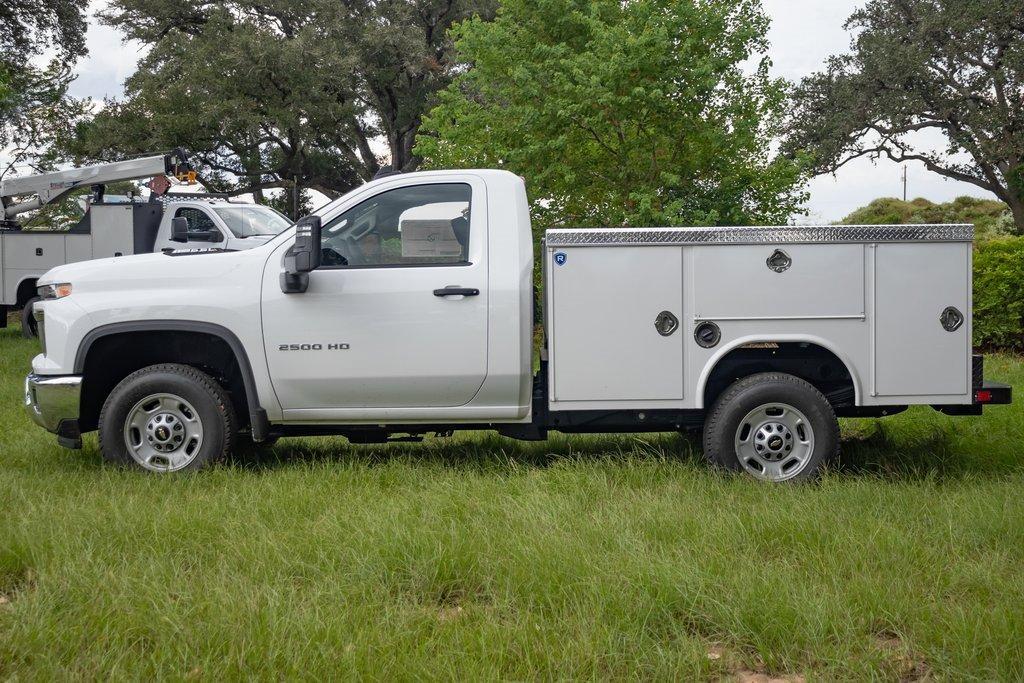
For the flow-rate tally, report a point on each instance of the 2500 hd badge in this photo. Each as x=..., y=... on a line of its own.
x=312, y=347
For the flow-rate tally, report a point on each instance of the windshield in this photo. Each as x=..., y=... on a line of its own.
x=248, y=221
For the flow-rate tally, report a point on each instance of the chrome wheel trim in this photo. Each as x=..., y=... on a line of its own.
x=774, y=442
x=163, y=433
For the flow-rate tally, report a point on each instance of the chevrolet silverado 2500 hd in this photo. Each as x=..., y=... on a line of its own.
x=406, y=308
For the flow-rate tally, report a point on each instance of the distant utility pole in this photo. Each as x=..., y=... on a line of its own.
x=904, y=183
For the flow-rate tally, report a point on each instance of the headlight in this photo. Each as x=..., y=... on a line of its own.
x=54, y=291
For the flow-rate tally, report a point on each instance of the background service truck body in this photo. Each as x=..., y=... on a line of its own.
x=406, y=307
x=115, y=227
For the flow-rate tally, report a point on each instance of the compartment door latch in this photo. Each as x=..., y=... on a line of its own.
x=779, y=261
x=951, y=319
x=666, y=324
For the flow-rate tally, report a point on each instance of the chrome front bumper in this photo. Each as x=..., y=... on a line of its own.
x=52, y=402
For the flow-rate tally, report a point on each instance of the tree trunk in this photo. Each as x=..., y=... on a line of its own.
x=1017, y=209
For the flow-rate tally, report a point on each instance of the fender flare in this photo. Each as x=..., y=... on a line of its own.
x=257, y=415
x=34, y=278
x=734, y=344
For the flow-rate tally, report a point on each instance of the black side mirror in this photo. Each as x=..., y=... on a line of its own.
x=303, y=257
x=179, y=229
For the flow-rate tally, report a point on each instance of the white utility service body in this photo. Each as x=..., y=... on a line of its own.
x=872, y=295
x=406, y=307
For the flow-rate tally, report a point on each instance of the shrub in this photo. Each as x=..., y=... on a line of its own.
x=990, y=218
x=999, y=293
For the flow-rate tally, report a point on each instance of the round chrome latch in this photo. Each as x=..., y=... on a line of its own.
x=707, y=335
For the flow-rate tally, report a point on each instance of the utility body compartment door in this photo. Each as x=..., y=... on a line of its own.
x=113, y=232
x=914, y=354
x=604, y=343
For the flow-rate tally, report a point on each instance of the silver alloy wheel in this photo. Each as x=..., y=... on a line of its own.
x=163, y=432
x=774, y=442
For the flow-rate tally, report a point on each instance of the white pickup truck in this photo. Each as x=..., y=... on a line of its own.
x=406, y=308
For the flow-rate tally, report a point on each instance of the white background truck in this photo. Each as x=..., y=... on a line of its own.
x=406, y=308
x=112, y=228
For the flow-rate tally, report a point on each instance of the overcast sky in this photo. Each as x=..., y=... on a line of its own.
x=803, y=34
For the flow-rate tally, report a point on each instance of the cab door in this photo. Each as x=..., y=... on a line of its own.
x=396, y=316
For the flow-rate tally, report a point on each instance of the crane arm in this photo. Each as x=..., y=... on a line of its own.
x=49, y=187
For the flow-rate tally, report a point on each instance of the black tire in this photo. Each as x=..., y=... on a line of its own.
x=730, y=437
x=200, y=392
x=29, y=326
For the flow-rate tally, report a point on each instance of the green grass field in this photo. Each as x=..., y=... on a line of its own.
x=480, y=557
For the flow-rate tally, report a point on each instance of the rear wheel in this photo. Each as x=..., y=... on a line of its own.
x=29, y=327
x=167, y=418
x=775, y=427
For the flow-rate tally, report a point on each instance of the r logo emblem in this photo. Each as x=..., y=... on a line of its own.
x=561, y=257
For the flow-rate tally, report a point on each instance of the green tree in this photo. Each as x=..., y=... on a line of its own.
x=34, y=105
x=952, y=66
x=621, y=112
x=299, y=95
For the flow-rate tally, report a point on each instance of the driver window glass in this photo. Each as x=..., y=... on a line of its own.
x=198, y=220
x=419, y=225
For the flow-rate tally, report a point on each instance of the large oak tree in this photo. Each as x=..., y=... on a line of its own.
x=34, y=105
x=951, y=66
x=276, y=93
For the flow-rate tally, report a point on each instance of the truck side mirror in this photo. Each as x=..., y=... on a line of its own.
x=179, y=229
x=303, y=256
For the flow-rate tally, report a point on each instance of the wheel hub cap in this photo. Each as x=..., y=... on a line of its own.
x=774, y=442
x=163, y=432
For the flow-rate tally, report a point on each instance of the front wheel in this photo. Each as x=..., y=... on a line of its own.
x=167, y=418
x=775, y=427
